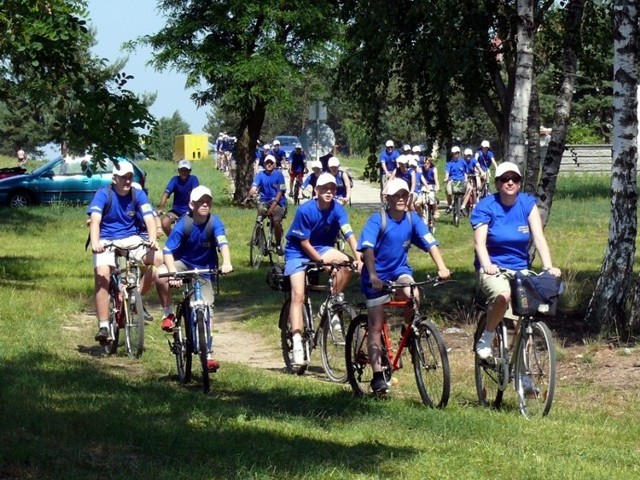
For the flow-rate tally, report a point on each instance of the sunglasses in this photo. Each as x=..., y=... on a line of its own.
x=513, y=179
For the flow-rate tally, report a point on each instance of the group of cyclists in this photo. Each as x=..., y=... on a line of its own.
x=503, y=225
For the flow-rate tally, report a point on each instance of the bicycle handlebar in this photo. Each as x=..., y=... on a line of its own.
x=435, y=281
x=118, y=248
x=320, y=264
x=190, y=274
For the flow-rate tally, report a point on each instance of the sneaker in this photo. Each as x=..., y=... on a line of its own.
x=378, y=385
x=463, y=212
x=529, y=389
x=448, y=210
x=297, y=351
x=147, y=316
x=279, y=251
x=168, y=322
x=483, y=346
x=102, y=335
x=213, y=365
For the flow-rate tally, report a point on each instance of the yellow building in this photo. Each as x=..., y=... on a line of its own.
x=193, y=146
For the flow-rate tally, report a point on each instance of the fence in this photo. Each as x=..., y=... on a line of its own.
x=584, y=158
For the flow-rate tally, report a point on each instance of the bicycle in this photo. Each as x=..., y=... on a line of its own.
x=533, y=372
x=458, y=188
x=418, y=334
x=335, y=316
x=297, y=187
x=126, y=311
x=429, y=204
x=191, y=335
x=262, y=241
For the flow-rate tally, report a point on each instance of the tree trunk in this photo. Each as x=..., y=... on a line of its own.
x=555, y=149
x=248, y=136
x=608, y=306
x=515, y=151
x=533, y=146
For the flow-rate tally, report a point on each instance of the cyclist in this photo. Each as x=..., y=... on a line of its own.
x=385, y=245
x=262, y=154
x=279, y=154
x=197, y=248
x=297, y=167
x=118, y=225
x=416, y=202
x=316, y=170
x=22, y=158
x=311, y=237
x=343, y=183
x=403, y=172
x=430, y=176
x=472, y=173
x=180, y=187
x=453, y=172
x=387, y=163
x=503, y=224
x=271, y=186
x=485, y=159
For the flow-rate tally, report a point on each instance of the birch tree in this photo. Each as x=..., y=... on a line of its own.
x=609, y=305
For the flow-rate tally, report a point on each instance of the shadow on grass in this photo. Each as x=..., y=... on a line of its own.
x=70, y=419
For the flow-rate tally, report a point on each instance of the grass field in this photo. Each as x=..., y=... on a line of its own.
x=68, y=412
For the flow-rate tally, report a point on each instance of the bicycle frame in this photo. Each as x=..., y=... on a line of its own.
x=192, y=302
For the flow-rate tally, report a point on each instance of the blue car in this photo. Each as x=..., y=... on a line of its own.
x=66, y=179
x=287, y=143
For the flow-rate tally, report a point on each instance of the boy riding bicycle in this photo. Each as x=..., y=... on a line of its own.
x=271, y=186
x=311, y=237
x=194, y=247
x=385, y=254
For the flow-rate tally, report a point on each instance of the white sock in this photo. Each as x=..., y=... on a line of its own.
x=297, y=338
x=487, y=337
x=103, y=324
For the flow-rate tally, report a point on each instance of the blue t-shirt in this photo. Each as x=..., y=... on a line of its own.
x=280, y=156
x=389, y=159
x=320, y=227
x=269, y=184
x=391, y=249
x=430, y=175
x=198, y=251
x=407, y=175
x=297, y=161
x=310, y=180
x=418, y=175
x=456, y=169
x=484, y=159
x=470, y=166
x=181, y=190
x=120, y=220
x=508, y=235
x=341, y=188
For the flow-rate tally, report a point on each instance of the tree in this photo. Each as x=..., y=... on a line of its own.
x=163, y=137
x=248, y=54
x=610, y=300
x=44, y=58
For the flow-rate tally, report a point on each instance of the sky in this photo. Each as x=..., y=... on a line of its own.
x=118, y=21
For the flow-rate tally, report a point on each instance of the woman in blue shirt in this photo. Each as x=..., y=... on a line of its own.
x=503, y=225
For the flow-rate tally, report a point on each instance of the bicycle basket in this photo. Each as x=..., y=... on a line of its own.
x=276, y=279
x=458, y=187
x=535, y=294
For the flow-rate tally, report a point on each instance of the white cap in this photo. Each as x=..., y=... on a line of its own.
x=298, y=145
x=316, y=164
x=468, y=151
x=333, y=162
x=402, y=159
x=199, y=192
x=269, y=158
x=124, y=169
x=406, y=147
x=389, y=143
x=455, y=150
x=184, y=164
x=21, y=154
x=276, y=142
x=485, y=144
x=395, y=185
x=266, y=146
x=413, y=161
x=505, y=167
x=416, y=149
x=325, y=179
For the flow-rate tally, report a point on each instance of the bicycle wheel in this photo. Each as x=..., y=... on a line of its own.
x=333, y=341
x=359, y=370
x=134, y=326
x=181, y=347
x=490, y=374
x=202, y=349
x=296, y=193
x=257, y=247
x=456, y=210
x=535, y=370
x=111, y=347
x=286, y=339
x=431, y=365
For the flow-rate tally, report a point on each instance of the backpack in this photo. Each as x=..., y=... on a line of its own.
x=107, y=207
x=383, y=218
x=188, y=225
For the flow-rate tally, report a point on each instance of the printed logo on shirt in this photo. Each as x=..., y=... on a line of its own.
x=523, y=229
